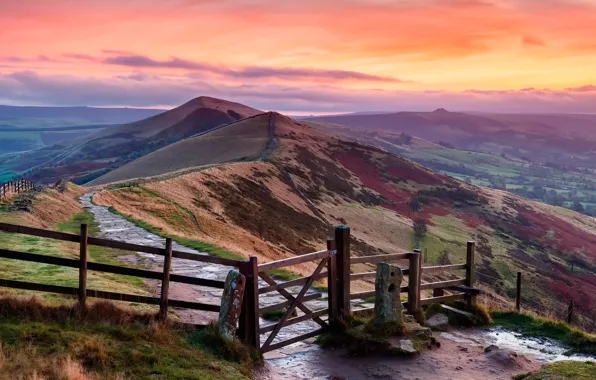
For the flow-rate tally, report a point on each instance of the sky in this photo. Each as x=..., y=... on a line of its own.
x=302, y=57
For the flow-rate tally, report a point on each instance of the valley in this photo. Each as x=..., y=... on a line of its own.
x=525, y=157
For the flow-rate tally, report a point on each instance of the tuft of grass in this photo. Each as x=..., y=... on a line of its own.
x=480, y=315
x=106, y=342
x=190, y=243
x=210, y=340
x=562, y=370
x=579, y=341
x=275, y=315
x=283, y=274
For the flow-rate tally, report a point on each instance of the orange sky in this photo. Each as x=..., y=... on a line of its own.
x=358, y=46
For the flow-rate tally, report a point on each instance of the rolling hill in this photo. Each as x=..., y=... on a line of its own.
x=242, y=140
x=564, y=139
x=28, y=128
x=287, y=205
x=91, y=156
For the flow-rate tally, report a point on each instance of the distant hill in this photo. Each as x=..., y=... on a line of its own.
x=28, y=128
x=565, y=139
x=241, y=140
x=91, y=156
x=93, y=115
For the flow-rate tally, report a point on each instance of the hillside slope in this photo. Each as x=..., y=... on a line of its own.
x=89, y=157
x=241, y=140
x=313, y=181
x=564, y=139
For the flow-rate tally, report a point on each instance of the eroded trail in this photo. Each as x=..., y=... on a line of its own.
x=115, y=227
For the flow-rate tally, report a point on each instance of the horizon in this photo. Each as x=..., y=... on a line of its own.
x=306, y=114
x=328, y=57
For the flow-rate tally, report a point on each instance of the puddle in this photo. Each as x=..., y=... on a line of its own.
x=542, y=349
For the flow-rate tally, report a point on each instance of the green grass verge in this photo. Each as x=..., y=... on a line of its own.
x=563, y=370
x=578, y=341
x=128, y=351
x=190, y=243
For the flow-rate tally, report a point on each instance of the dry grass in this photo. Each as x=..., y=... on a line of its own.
x=43, y=341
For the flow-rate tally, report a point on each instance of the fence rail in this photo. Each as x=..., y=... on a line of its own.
x=84, y=266
x=461, y=286
x=332, y=264
x=15, y=187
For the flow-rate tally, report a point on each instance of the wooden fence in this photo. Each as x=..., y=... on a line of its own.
x=335, y=259
x=15, y=187
x=84, y=266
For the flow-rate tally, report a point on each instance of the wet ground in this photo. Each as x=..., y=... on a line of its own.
x=461, y=356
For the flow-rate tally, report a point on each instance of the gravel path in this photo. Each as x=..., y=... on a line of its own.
x=115, y=227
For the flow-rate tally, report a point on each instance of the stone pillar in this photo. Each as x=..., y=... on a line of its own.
x=388, y=307
x=231, y=303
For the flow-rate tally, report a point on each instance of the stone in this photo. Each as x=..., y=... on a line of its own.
x=407, y=346
x=438, y=322
x=414, y=330
x=231, y=303
x=388, y=306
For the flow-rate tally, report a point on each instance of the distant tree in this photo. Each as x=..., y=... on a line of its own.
x=404, y=139
x=443, y=258
x=577, y=207
x=420, y=228
x=414, y=205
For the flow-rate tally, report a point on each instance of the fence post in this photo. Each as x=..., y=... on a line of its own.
x=332, y=281
x=249, y=314
x=470, y=273
x=518, y=293
x=165, y=283
x=342, y=242
x=570, y=312
x=83, y=267
x=414, y=282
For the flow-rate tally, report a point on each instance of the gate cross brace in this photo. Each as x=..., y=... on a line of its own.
x=291, y=298
x=295, y=303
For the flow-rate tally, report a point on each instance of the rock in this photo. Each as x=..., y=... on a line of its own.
x=491, y=348
x=414, y=330
x=388, y=306
x=407, y=346
x=439, y=322
x=231, y=302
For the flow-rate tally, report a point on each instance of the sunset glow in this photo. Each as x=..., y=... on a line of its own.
x=319, y=56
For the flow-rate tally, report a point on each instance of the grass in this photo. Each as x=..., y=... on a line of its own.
x=579, y=341
x=190, y=243
x=480, y=315
x=563, y=370
x=45, y=341
x=65, y=276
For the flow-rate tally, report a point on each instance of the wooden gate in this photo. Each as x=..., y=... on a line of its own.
x=325, y=260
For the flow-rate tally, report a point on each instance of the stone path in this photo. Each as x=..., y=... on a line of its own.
x=115, y=227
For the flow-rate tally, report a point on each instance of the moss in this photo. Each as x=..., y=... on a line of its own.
x=275, y=315
x=563, y=370
x=419, y=316
x=363, y=336
x=530, y=325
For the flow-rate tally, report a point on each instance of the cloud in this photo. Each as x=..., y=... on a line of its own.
x=586, y=88
x=249, y=72
x=532, y=41
x=142, y=90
